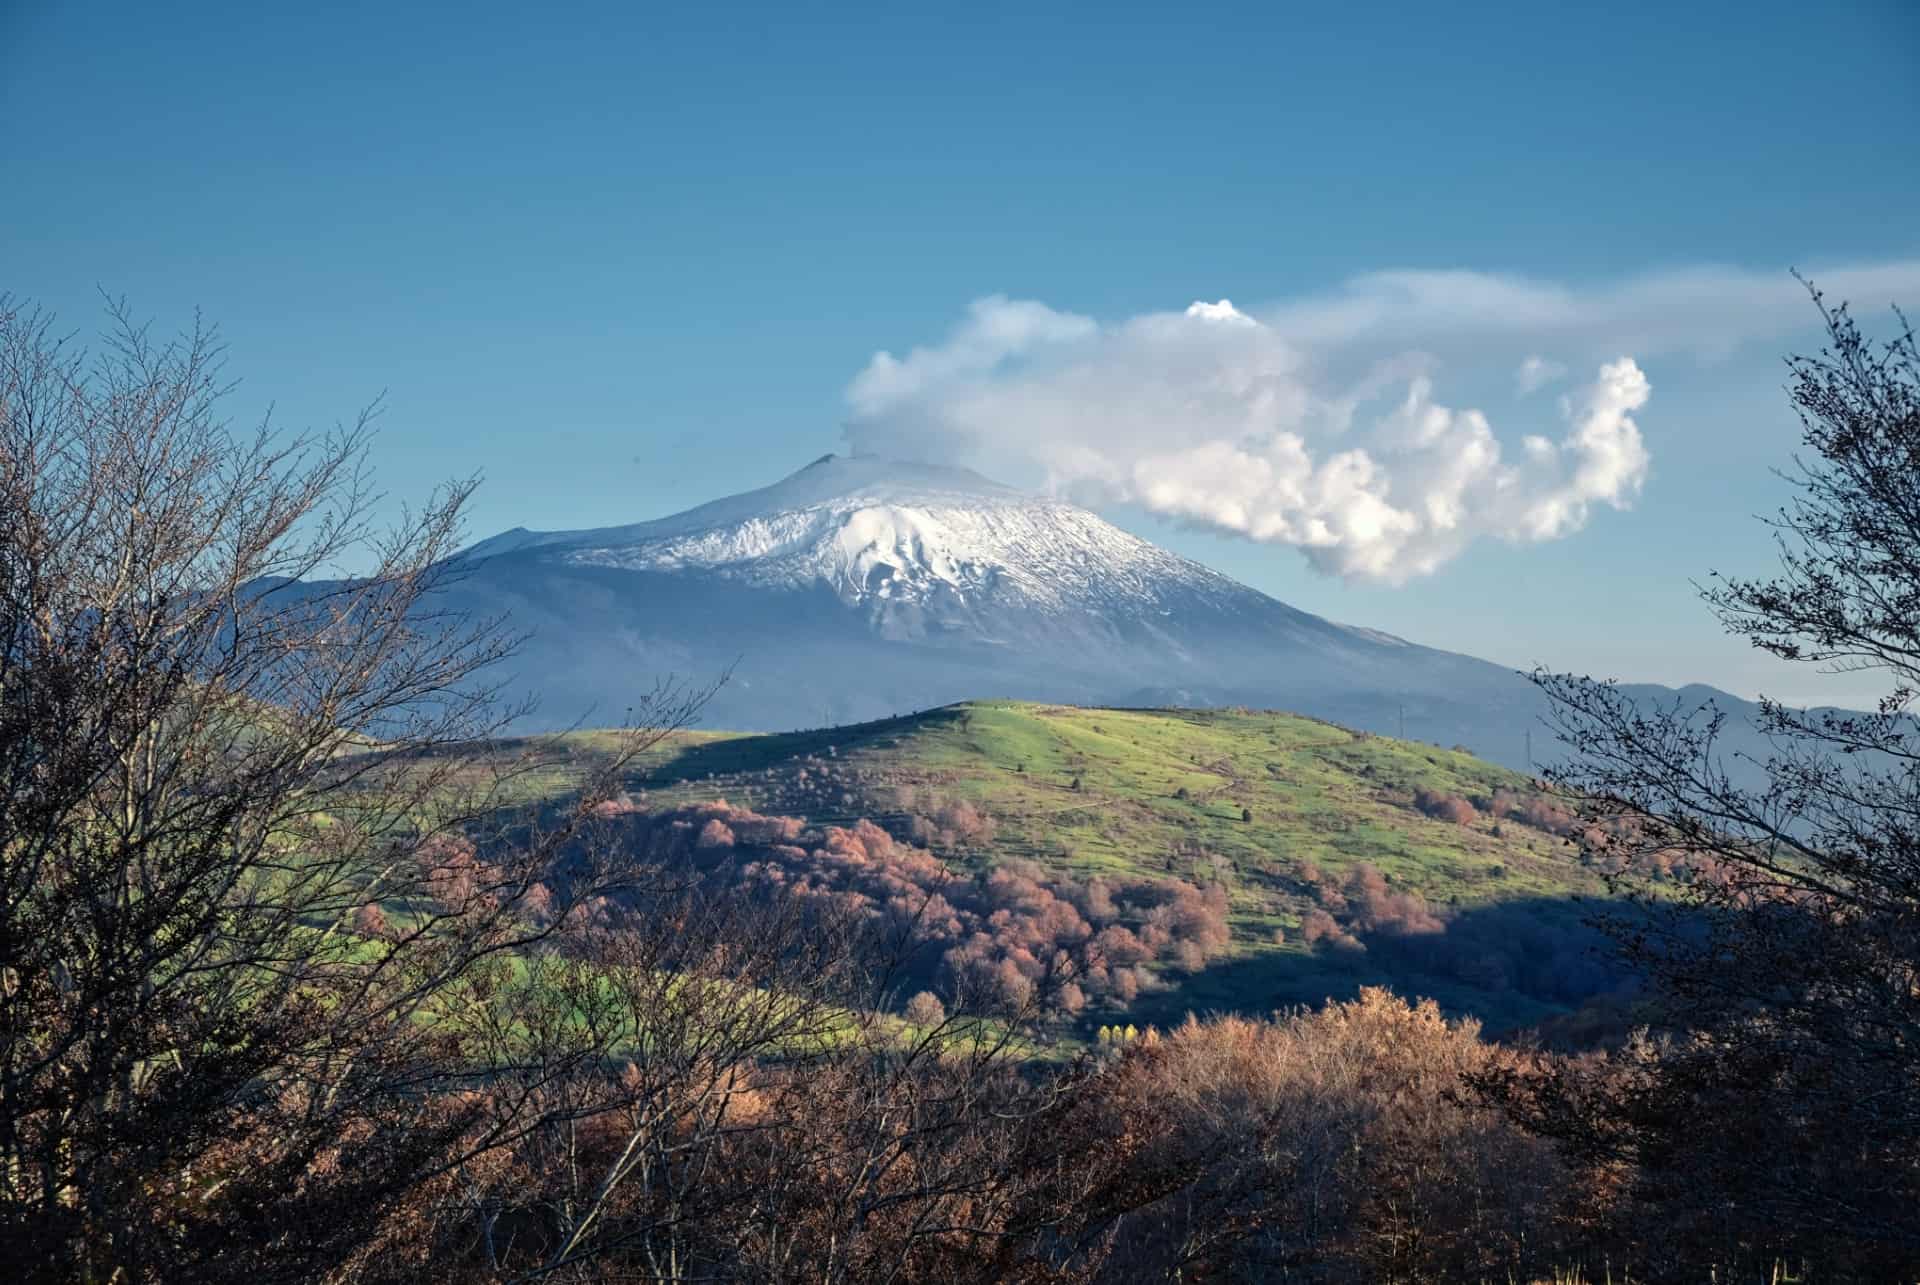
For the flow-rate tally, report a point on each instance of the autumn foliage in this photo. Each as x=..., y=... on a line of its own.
x=296, y=986
x=1335, y=1144
x=997, y=937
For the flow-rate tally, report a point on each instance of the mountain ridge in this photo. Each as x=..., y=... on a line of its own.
x=860, y=587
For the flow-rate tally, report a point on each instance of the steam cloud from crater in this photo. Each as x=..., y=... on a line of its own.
x=1320, y=423
x=1211, y=417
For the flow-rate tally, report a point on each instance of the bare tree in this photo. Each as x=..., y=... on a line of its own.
x=251, y=973
x=718, y=1007
x=1780, y=1116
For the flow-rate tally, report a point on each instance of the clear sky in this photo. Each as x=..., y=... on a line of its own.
x=622, y=258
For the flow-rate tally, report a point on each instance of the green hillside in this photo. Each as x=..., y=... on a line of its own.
x=1279, y=809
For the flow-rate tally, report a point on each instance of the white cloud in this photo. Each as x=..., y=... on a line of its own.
x=1222, y=311
x=996, y=328
x=1704, y=311
x=1315, y=423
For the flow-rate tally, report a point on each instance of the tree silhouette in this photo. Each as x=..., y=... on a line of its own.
x=1782, y=1116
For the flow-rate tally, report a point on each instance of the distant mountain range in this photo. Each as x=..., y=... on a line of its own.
x=859, y=588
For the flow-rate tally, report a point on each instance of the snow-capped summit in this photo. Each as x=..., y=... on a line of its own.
x=917, y=548
x=859, y=587
x=829, y=479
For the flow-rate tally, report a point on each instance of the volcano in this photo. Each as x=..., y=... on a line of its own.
x=862, y=587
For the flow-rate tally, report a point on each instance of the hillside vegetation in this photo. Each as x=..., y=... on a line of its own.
x=1343, y=859
x=308, y=974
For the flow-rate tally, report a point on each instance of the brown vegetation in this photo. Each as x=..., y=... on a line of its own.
x=289, y=992
x=1444, y=807
x=998, y=938
x=249, y=964
x=1332, y=1144
x=1777, y=1117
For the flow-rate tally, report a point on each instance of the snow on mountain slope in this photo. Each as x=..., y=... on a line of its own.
x=917, y=548
x=861, y=587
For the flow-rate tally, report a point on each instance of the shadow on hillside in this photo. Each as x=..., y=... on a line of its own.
x=698, y=760
x=1510, y=964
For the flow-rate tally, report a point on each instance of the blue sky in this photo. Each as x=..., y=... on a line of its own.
x=621, y=258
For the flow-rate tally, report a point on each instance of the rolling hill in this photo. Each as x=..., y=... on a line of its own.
x=1341, y=858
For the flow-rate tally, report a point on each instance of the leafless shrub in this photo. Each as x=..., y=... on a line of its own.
x=234, y=882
